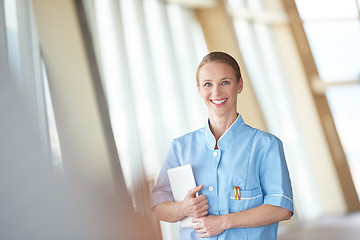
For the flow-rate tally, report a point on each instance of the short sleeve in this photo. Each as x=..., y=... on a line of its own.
x=162, y=190
x=274, y=177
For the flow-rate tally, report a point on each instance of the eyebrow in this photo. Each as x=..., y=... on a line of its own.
x=224, y=78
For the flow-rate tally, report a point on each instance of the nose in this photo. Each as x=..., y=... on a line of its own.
x=215, y=90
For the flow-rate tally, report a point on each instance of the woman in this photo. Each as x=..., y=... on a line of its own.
x=244, y=186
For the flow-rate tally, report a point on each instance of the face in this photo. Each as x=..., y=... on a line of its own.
x=218, y=87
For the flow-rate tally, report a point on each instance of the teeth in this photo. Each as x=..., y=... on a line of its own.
x=219, y=102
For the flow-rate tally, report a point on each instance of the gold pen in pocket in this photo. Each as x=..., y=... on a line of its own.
x=237, y=193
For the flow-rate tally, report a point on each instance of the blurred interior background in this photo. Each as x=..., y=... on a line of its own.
x=93, y=91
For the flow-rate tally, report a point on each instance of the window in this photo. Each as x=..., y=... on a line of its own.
x=255, y=26
x=148, y=69
x=28, y=72
x=148, y=52
x=333, y=31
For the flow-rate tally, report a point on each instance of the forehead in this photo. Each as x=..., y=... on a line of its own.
x=216, y=71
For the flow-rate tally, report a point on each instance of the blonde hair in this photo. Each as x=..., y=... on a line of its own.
x=220, y=57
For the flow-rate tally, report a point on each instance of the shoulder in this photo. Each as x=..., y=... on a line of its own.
x=188, y=137
x=262, y=138
x=182, y=144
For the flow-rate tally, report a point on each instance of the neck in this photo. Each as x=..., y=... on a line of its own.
x=219, y=125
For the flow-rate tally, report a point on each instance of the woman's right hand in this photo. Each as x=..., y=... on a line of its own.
x=195, y=206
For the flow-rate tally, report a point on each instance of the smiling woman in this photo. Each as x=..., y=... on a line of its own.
x=226, y=154
x=219, y=81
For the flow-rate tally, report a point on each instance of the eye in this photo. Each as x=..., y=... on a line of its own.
x=207, y=84
x=225, y=83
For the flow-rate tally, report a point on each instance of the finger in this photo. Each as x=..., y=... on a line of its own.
x=202, y=201
x=197, y=227
x=201, y=207
x=205, y=207
x=201, y=232
x=193, y=191
x=203, y=214
x=201, y=198
x=197, y=220
x=204, y=235
x=200, y=212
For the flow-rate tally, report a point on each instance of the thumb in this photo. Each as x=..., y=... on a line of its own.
x=194, y=190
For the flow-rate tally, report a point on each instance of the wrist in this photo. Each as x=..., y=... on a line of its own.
x=227, y=222
x=181, y=213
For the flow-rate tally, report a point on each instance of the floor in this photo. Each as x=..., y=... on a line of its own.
x=332, y=228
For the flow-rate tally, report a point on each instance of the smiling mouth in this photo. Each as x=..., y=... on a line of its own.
x=217, y=102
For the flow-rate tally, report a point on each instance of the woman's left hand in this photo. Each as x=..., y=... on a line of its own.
x=209, y=226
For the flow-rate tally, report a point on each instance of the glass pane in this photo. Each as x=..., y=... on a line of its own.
x=118, y=91
x=336, y=49
x=56, y=156
x=254, y=4
x=236, y=3
x=344, y=104
x=325, y=9
x=167, y=77
x=144, y=90
x=181, y=21
x=264, y=69
x=13, y=44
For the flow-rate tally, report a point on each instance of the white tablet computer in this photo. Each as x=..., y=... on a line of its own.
x=181, y=181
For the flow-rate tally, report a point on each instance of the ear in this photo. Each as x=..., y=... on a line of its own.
x=241, y=84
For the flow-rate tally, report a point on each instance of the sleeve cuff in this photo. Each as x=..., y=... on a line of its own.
x=280, y=201
x=160, y=197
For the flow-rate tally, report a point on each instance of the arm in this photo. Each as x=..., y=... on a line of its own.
x=191, y=206
x=260, y=216
x=255, y=217
x=169, y=211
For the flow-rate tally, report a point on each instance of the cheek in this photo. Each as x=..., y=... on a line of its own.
x=203, y=94
x=236, y=91
x=205, y=98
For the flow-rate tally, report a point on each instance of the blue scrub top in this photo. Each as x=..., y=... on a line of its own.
x=246, y=157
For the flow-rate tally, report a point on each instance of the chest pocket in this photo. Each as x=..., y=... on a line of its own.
x=249, y=199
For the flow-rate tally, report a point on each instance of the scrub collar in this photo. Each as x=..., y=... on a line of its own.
x=228, y=137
